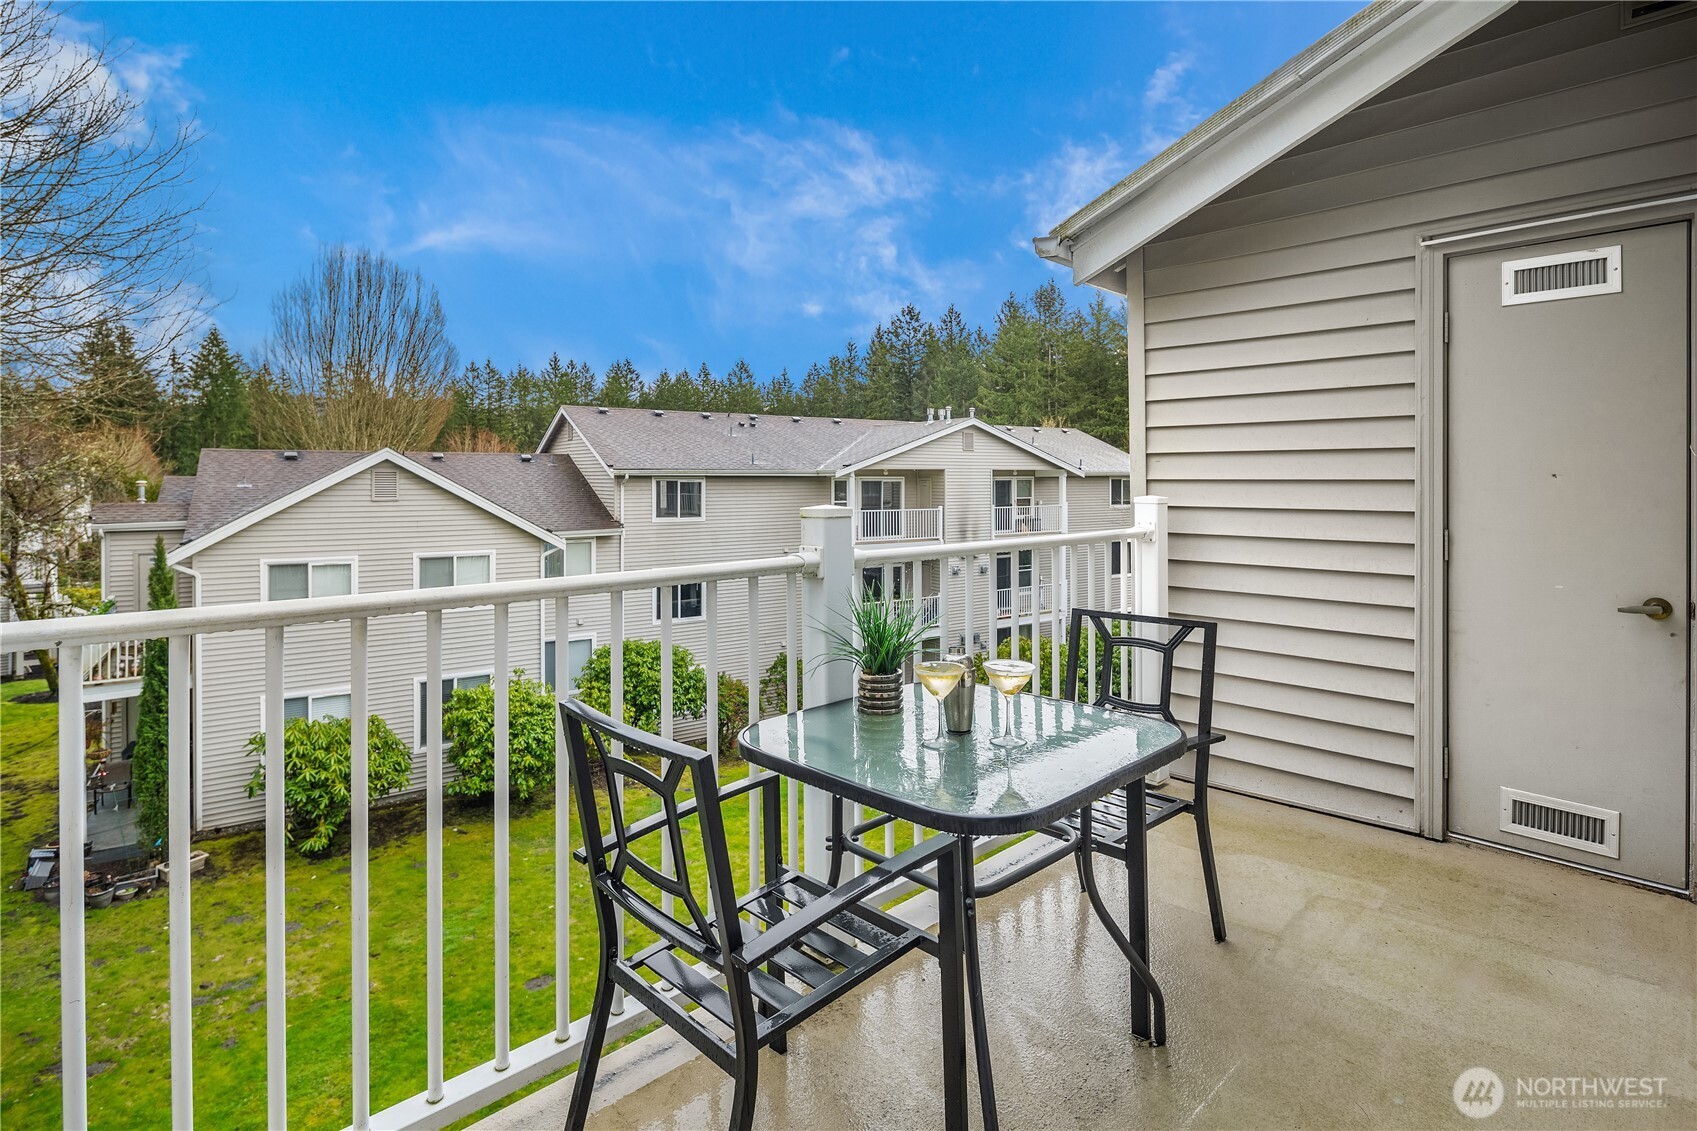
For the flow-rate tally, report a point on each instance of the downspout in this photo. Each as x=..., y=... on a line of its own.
x=624, y=481
x=199, y=710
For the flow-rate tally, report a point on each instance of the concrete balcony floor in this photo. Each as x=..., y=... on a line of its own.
x=1365, y=971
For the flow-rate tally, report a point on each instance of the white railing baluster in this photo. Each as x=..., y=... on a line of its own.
x=73, y=830
x=754, y=814
x=792, y=648
x=616, y=701
x=1054, y=623
x=990, y=609
x=503, y=775
x=433, y=852
x=667, y=864
x=562, y=828
x=276, y=933
x=359, y=866
x=180, y=773
x=710, y=610
x=1090, y=602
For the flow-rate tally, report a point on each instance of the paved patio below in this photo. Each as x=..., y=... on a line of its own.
x=1365, y=971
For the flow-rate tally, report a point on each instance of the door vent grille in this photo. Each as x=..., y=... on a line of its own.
x=385, y=485
x=1572, y=274
x=1567, y=823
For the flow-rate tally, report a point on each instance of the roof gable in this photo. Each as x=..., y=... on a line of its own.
x=1342, y=70
x=331, y=469
x=863, y=455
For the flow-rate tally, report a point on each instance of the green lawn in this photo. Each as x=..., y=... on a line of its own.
x=128, y=965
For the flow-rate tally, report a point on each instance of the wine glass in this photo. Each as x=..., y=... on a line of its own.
x=939, y=677
x=1009, y=677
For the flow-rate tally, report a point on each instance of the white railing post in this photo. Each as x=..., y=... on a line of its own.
x=1149, y=591
x=181, y=921
x=73, y=829
x=829, y=532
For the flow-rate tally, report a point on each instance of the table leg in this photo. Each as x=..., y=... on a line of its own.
x=951, y=923
x=975, y=992
x=1137, y=896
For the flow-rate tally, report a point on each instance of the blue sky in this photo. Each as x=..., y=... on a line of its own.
x=675, y=184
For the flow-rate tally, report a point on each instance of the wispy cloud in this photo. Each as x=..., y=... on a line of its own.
x=1169, y=110
x=799, y=217
x=1060, y=184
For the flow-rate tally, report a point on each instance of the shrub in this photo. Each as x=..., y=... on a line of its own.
x=318, y=775
x=775, y=687
x=642, y=683
x=733, y=711
x=1045, y=663
x=150, y=764
x=468, y=726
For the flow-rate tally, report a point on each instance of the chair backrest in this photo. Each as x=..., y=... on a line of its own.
x=601, y=750
x=1114, y=635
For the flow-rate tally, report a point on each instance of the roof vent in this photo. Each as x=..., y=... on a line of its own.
x=437, y=457
x=972, y=410
x=525, y=457
x=836, y=420
x=659, y=412
x=795, y=420
x=385, y=484
x=707, y=416
x=752, y=421
x=930, y=415
x=291, y=455
x=601, y=412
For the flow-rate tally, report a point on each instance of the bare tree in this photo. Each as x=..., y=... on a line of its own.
x=360, y=357
x=97, y=213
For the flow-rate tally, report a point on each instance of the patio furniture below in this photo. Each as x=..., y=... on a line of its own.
x=786, y=953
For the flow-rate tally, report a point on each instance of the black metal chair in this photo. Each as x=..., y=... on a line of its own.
x=758, y=972
x=1107, y=832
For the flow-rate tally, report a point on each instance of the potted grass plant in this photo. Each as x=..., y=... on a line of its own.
x=883, y=635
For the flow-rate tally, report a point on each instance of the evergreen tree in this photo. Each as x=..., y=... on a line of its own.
x=741, y=391
x=782, y=397
x=621, y=387
x=894, y=363
x=113, y=383
x=150, y=765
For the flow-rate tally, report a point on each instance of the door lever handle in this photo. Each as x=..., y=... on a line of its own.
x=1656, y=608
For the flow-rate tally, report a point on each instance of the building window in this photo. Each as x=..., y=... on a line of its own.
x=578, y=651
x=880, y=494
x=872, y=582
x=450, y=685
x=840, y=492
x=442, y=570
x=1004, y=570
x=687, y=603
x=577, y=558
x=1115, y=566
x=1119, y=492
x=290, y=581
x=336, y=706
x=680, y=499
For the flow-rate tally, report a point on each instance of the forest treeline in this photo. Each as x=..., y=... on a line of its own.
x=1044, y=362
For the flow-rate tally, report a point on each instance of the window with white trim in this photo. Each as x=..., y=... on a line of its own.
x=290, y=581
x=439, y=571
x=335, y=706
x=577, y=558
x=1119, y=492
x=688, y=602
x=680, y=499
x=450, y=684
x=839, y=492
x=578, y=651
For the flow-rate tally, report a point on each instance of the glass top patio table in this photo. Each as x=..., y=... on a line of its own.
x=1073, y=754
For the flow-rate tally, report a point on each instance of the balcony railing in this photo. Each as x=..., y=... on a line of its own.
x=813, y=584
x=1024, y=600
x=112, y=661
x=922, y=525
x=1027, y=518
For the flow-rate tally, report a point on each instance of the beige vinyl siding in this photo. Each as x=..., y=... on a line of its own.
x=342, y=521
x=1280, y=328
x=570, y=444
x=125, y=559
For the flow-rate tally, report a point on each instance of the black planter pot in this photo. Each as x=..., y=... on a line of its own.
x=880, y=694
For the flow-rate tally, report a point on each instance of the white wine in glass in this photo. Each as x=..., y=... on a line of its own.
x=939, y=677
x=1009, y=677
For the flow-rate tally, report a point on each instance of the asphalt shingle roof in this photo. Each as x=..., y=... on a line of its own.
x=640, y=439
x=548, y=491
